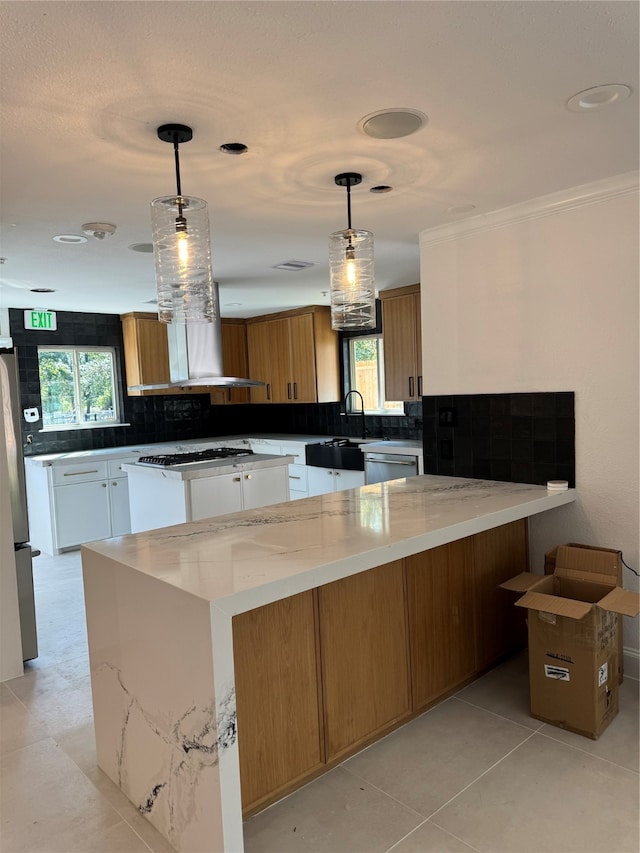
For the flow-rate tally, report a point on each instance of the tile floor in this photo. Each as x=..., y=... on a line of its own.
x=475, y=773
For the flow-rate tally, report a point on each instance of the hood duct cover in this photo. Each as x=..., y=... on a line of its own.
x=195, y=358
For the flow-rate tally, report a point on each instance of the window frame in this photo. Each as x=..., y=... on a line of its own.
x=76, y=350
x=350, y=375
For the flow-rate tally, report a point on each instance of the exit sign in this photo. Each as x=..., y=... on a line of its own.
x=40, y=320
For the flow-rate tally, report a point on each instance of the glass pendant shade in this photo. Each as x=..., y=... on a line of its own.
x=182, y=251
x=353, y=297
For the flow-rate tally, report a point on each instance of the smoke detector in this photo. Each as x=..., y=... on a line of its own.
x=99, y=230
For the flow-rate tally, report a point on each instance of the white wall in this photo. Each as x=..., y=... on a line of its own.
x=544, y=297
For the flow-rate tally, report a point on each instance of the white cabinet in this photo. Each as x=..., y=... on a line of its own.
x=80, y=501
x=211, y=496
x=321, y=481
x=298, y=480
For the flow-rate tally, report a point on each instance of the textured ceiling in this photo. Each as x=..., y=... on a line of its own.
x=85, y=85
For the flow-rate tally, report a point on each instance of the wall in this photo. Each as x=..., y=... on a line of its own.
x=544, y=297
x=172, y=417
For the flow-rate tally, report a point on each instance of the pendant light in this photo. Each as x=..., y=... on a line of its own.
x=353, y=302
x=182, y=247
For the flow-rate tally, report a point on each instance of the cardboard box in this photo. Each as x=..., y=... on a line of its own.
x=616, y=558
x=573, y=638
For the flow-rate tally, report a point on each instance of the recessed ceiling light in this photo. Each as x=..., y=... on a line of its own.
x=42, y=290
x=233, y=148
x=461, y=208
x=381, y=188
x=293, y=266
x=70, y=239
x=145, y=248
x=393, y=123
x=598, y=96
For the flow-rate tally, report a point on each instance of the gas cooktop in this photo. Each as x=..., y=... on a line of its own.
x=169, y=459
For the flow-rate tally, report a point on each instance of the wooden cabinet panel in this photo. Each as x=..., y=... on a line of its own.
x=303, y=365
x=279, y=729
x=258, y=346
x=441, y=619
x=401, y=332
x=146, y=352
x=498, y=554
x=279, y=348
x=234, y=360
x=364, y=656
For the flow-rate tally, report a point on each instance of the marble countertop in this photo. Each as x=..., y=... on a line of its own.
x=210, y=468
x=247, y=559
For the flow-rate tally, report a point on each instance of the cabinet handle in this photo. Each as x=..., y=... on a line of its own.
x=295, y=390
x=114, y=483
x=330, y=473
x=293, y=477
x=419, y=386
x=237, y=479
x=288, y=390
x=337, y=473
x=411, y=386
x=77, y=473
x=247, y=476
x=268, y=391
x=104, y=485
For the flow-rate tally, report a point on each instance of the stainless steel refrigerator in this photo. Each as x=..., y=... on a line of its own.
x=23, y=552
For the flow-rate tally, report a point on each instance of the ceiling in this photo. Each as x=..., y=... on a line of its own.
x=86, y=84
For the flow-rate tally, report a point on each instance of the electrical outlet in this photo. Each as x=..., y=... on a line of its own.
x=447, y=416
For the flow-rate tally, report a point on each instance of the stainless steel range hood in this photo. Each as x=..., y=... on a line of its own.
x=195, y=358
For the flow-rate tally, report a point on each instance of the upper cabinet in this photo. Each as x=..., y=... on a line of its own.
x=146, y=355
x=401, y=333
x=296, y=354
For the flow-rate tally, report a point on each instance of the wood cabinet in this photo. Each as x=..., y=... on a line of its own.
x=296, y=354
x=146, y=357
x=402, y=339
x=441, y=619
x=364, y=659
x=498, y=554
x=280, y=736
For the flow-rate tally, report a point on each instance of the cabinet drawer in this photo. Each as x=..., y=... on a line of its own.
x=79, y=472
x=295, y=450
x=298, y=478
x=114, y=466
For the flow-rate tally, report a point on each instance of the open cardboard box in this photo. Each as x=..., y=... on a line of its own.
x=573, y=638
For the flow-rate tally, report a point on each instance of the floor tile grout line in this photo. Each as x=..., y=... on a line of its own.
x=484, y=773
x=586, y=752
x=386, y=794
x=400, y=840
x=499, y=716
x=446, y=831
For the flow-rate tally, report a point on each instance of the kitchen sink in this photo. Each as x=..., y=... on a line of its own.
x=336, y=453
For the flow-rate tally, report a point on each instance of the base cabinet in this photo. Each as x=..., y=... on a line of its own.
x=321, y=481
x=387, y=643
x=280, y=735
x=234, y=492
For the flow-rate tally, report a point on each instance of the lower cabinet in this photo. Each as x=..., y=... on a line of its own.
x=364, y=656
x=280, y=735
x=441, y=619
x=226, y=493
x=321, y=674
x=321, y=481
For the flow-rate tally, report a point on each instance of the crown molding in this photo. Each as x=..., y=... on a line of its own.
x=536, y=208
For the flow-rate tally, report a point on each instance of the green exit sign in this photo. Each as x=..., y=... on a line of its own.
x=40, y=320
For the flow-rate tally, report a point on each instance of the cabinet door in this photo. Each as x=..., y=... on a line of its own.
x=364, y=656
x=303, y=361
x=320, y=481
x=277, y=697
x=345, y=479
x=82, y=513
x=119, y=506
x=498, y=554
x=441, y=619
x=234, y=359
x=146, y=353
x=211, y=496
x=259, y=356
x=280, y=355
x=265, y=486
x=400, y=347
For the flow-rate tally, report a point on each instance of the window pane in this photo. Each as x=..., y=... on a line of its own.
x=365, y=371
x=95, y=373
x=57, y=386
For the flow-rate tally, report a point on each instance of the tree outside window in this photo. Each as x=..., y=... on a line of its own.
x=77, y=387
x=366, y=371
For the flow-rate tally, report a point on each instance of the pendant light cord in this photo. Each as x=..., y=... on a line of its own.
x=180, y=220
x=348, y=204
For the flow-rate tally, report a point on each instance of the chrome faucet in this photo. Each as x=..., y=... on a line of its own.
x=346, y=410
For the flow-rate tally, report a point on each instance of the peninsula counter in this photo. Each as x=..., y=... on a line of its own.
x=264, y=606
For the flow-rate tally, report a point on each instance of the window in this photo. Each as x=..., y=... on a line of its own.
x=78, y=387
x=366, y=375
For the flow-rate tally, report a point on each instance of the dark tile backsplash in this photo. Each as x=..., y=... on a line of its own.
x=521, y=438
x=173, y=417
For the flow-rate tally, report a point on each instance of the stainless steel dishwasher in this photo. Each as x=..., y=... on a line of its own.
x=379, y=467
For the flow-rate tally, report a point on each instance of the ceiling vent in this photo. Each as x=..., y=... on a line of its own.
x=293, y=266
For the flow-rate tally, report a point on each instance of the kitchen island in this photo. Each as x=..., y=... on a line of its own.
x=218, y=647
